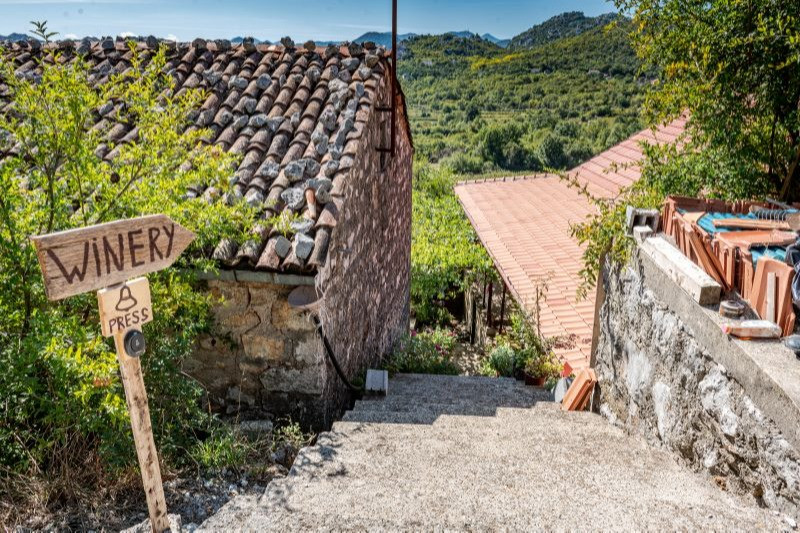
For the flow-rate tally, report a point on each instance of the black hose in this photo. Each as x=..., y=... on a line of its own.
x=329, y=351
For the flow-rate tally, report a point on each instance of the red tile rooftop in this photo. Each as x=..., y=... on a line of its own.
x=525, y=222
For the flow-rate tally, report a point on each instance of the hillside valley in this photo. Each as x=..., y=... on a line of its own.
x=478, y=107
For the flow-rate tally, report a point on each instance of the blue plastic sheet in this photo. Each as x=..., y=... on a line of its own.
x=707, y=223
x=773, y=252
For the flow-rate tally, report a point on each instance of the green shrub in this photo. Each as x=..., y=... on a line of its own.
x=444, y=247
x=502, y=361
x=523, y=338
x=423, y=353
x=61, y=400
x=544, y=366
x=464, y=163
x=551, y=152
x=502, y=145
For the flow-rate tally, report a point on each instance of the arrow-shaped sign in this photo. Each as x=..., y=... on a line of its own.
x=85, y=259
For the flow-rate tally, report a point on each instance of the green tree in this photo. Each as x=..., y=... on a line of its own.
x=735, y=68
x=551, y=152
x=61, y=401
x=502, y=145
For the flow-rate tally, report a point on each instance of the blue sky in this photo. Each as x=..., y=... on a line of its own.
x=270, y=19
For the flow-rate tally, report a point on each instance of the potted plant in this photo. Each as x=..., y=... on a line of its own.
x=541, y=368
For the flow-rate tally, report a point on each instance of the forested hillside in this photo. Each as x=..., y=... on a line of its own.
x=567, y=24
x=478, y=107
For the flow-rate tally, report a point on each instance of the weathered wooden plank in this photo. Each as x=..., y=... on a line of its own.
x=708, y=260
x=136, y=398
x=771, y=298
x=751, y=223
x=682, y=270
x=85, y=259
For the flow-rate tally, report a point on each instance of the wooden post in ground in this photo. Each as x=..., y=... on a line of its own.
x=503, y=307
x=489, y=306
x=136, y=397
x=124, y=309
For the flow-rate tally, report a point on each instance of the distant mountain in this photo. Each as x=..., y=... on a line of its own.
x=14, y=37
x=462, y=34
x=450, y=45
x=383, y=38
x=492, y=39
x=566, y=24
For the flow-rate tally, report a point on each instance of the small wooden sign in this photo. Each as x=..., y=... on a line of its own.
x=125, y=307
x=104, y=257
x=85, y=259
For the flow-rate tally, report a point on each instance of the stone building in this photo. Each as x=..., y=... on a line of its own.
x=313, y=126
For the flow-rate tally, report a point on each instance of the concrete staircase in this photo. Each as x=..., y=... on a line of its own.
x=456, y=452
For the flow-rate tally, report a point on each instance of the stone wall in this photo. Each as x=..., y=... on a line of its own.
x=366, y=278
x=266, y=357
x=667, y=372
x=262, y=356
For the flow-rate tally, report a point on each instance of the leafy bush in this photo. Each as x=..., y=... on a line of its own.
x=464, y=163
x=551, y=152
x=502, y=145
x=61, y=400
x=521, y=348
x=524, y=338
x=423, y=353
x=544, y=366
x=502, y=361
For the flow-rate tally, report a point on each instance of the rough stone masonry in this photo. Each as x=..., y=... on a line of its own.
x=662, y=379
x=266, y=357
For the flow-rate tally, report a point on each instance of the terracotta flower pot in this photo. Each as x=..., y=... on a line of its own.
x=534, y=381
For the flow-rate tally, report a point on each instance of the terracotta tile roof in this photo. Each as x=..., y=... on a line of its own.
x=524, y=223
x=618, y=166
x=295, y=114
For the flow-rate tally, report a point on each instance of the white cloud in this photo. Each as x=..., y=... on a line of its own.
x=171, y=37
x=126, y=34
x=71, y=36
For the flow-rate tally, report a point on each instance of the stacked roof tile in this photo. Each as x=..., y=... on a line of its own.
x=294, y=114
x=525, y=224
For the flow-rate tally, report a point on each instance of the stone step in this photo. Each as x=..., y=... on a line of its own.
x=413, y=415
x=506, y=423
x=446, y=405
x=444, y=380
x=477, y=392
x=432, y=382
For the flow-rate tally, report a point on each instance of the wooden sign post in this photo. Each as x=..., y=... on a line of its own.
x=104, y=257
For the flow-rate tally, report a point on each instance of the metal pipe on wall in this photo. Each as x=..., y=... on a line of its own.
x=393, y=103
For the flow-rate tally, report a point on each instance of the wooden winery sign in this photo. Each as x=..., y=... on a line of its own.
x=106, y=257
x=85, y=259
